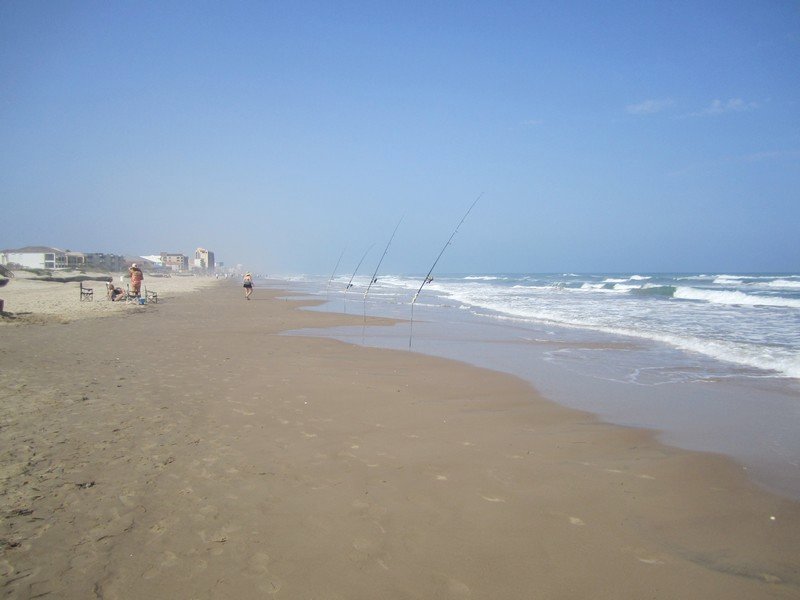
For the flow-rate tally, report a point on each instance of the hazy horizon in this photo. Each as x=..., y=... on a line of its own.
x=624, y=138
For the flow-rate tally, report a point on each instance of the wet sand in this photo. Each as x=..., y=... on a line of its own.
x=188, y=450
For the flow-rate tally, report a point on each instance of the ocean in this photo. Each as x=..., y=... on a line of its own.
x=709, y=361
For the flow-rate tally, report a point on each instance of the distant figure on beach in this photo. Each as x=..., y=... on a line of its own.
x=247, y=283
x=136, y=278
x=114, y=293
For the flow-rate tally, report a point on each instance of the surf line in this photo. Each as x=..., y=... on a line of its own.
x=350, y=283
x=328, y=289
x=429, y=277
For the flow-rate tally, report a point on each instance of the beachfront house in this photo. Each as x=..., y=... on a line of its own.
x=54, y=259
x=35, y=257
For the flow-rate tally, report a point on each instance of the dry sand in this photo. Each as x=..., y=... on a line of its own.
x=32, y=299
x=185, y=449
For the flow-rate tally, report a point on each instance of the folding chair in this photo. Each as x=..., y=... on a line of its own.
x=86, y=293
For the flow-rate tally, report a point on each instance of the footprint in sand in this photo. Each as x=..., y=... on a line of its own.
x=258, y=563
x=243, y=412
x=127, y=500
x=492, y=499
x=273, y=586
x=458, y=588
x=159, y=528
x=576, y=521
x=169, y=559
x=363, y=544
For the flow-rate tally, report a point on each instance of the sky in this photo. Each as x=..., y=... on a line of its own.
x=603, y=136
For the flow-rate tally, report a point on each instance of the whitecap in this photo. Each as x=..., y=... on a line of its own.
x=733, y=298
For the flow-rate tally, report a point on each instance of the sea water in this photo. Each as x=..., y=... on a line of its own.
x=710, y=361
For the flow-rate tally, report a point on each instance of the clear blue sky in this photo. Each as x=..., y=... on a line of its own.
x=606, y=136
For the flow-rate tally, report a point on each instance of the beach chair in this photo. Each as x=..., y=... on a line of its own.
x=87, y=293
x=150, y=296
x=130, y=296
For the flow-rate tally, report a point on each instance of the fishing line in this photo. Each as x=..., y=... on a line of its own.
x=428, y=277
x=328, y=289
x=374, y=277
x=350, y=283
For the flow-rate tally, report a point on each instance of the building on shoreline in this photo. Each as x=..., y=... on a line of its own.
x=35, y=257
x=55, y=259
x=204, y=260
x=175, y=261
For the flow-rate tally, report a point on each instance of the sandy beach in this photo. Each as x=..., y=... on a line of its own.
x=32, y=299
x=188, y=449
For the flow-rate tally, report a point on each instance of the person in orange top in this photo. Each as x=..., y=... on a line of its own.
x=136, y=278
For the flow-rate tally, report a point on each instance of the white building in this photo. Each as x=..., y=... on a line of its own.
x=204, y=260
x=154, y=258
x=35, y=257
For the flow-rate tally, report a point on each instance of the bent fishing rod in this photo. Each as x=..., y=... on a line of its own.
x=350, y=283
x=428, y=277
x=374, y=278
x=328, y=289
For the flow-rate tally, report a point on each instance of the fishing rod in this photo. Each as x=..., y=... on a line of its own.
x=374, y=278
x=428, y=277
x=385, y=250
x=328, y=289
x=350, y=283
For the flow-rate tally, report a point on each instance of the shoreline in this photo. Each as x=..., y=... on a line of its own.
x=201, y=452
x=751, y=420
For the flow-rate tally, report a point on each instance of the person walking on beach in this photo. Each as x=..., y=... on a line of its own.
x=136, y=279
x=247, y=283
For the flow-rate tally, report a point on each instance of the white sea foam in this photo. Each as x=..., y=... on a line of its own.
x=775, y=360
x=627, y=287
x=728, y=280
x=759, y=326
x=749, y=355
x=735, y=298
x=789, y=284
